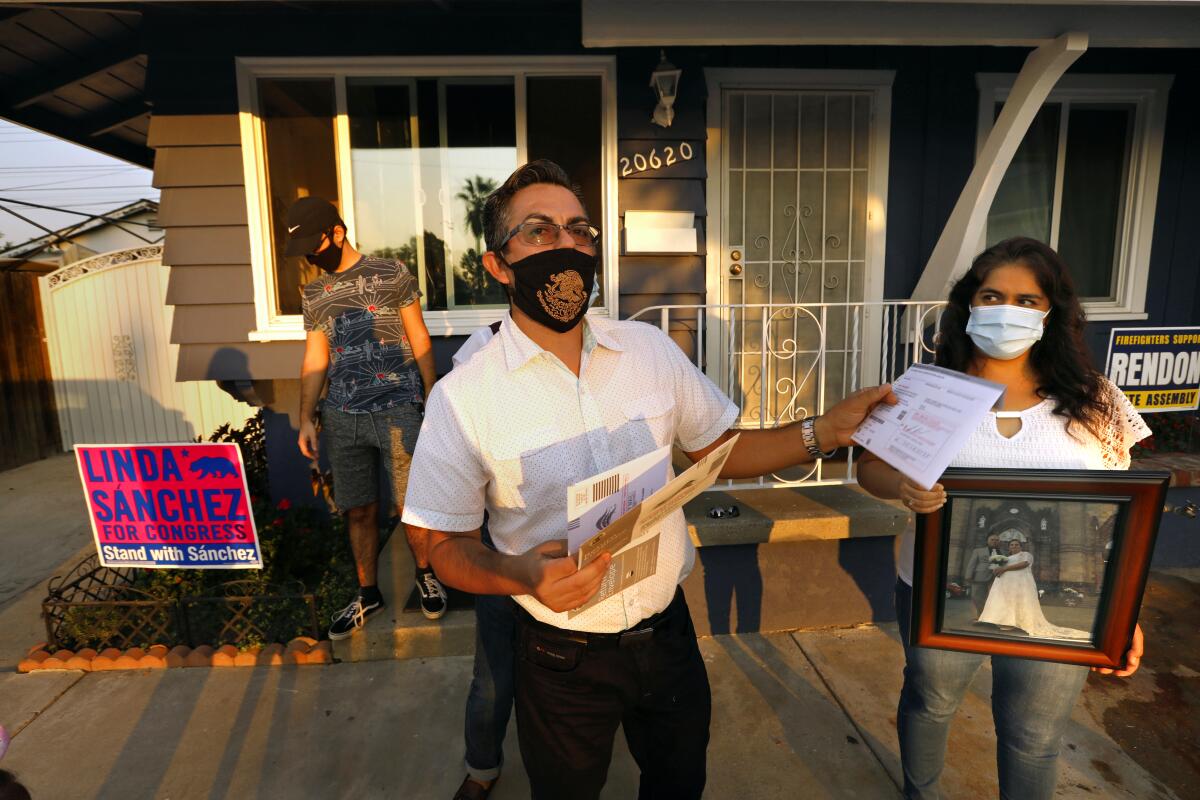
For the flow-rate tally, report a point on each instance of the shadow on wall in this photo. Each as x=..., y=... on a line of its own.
x=289, y=472
x=732, y=579
x=117, y=412
x=871, y=564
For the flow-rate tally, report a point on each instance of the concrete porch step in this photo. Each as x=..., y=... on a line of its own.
x=783, y=563
x=398, y=634
x=799, y=514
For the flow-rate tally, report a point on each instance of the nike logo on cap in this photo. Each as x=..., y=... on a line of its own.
x=293, y=229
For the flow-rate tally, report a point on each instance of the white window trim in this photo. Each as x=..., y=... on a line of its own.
x=1148, y=94
x=270, y=326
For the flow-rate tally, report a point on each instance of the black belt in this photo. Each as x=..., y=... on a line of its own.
x=640, y=633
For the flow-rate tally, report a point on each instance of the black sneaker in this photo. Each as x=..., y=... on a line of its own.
x=353, y=617
x=433, y=594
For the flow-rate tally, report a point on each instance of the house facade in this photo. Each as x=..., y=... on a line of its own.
x=824, y=159
x=828, y=169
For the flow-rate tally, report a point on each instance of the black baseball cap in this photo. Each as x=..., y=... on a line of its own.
x=307, y=219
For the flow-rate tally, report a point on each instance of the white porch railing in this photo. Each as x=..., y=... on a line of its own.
x=783, y=362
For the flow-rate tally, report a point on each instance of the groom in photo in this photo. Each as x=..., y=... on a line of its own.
x=979, y=571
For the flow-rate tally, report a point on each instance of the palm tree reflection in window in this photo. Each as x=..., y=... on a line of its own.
x=472, y=283
x=435, y=265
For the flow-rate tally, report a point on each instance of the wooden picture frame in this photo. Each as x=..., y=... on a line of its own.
x=1084, y=540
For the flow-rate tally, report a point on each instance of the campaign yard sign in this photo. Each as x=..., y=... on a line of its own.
x=1157, y=368
x=169, y=505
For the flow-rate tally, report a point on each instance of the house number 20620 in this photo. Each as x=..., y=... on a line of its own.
x=641, y=162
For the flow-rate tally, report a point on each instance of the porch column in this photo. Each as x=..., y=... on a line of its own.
x=960, y=238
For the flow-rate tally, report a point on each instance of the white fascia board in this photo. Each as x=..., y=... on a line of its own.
x=636, y=23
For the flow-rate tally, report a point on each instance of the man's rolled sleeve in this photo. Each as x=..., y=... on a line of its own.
x=702, y=411
x=407, y=291
x=446, y=482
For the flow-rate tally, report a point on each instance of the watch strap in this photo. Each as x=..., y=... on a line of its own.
x=808, y=434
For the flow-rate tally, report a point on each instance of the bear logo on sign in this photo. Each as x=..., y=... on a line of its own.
x=213, y=467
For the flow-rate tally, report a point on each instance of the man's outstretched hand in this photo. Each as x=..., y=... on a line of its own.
x=835, y=427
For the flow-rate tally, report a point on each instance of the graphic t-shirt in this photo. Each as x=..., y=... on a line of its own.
x=371, y=363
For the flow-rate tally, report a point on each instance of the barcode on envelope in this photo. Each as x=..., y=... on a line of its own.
x=602, y=489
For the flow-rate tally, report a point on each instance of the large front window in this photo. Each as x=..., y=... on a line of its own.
x=408, y=154
x=1085, y=181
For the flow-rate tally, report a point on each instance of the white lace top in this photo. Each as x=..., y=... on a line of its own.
x=1042, y=443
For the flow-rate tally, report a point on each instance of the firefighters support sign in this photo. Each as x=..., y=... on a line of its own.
x=1157, y=368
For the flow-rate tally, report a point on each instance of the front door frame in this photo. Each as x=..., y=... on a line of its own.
x=879, y=84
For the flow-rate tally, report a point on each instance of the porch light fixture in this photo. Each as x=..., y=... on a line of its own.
x=665, y=80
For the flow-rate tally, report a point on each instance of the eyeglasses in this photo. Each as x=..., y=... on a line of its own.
x=540, y=234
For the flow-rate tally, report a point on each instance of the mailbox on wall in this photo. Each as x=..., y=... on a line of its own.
x=660, y=232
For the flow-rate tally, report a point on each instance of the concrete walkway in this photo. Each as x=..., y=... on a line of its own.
x=43, y=521
x=808, y=715
x=44, y=531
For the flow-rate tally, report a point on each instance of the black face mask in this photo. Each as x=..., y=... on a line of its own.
x=552, y=287
x=328, y=259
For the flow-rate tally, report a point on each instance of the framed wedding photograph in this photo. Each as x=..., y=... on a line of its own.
x=1044, y=564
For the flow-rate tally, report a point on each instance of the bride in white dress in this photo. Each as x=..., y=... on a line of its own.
x=1013, y=599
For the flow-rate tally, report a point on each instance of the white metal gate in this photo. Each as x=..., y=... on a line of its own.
x=108, y=334
x=904, y=337
x=795, y=173
x=799, y=176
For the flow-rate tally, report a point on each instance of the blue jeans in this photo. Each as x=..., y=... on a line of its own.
x=490, y=700
x=1031, y=706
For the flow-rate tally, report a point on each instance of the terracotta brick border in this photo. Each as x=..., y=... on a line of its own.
x=301, y=650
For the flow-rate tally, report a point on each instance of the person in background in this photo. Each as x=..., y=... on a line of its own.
x=10, y=787
x=367, y=337
x=1013, y=318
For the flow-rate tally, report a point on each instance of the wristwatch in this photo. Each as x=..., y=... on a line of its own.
x=808, y=433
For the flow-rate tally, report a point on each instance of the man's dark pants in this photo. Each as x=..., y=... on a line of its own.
x=573, y=690
x=979, y=594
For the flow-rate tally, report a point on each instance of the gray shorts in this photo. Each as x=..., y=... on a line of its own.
x=356, y=443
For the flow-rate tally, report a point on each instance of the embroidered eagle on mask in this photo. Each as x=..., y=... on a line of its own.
x=563, y=296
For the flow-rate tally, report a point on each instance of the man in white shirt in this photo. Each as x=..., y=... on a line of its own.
x=552, y=399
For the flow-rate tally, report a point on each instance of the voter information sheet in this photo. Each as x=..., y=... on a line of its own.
x=632, y=535
x=938, y=410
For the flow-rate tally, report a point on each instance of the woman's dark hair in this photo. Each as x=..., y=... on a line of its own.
x=1060, y=360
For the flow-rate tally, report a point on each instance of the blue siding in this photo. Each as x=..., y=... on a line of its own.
x=933, y=119
x=932, y=149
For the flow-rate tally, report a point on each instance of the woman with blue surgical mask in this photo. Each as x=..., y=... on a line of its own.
x=1013, y=318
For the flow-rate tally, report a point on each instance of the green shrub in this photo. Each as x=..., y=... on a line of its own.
x=1172, y=432
x=300, y=545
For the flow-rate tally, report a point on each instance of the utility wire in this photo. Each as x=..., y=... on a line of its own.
x=73, y=188
x=110, y=220
x=60, y=236
x=61, y=181
x=75, y=167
